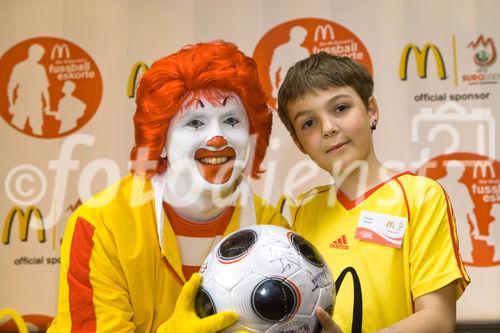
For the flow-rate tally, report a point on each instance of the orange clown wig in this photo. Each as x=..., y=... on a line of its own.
x=175, y=81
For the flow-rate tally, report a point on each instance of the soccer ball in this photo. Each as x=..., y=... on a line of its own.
x=272, y=277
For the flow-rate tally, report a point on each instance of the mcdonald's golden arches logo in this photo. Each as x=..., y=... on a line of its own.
x=60, y=51
x=24, y=218
x=139, y=67
x=325, y=32
x=421, y=59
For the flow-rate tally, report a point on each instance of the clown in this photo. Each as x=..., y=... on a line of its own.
x=202, y=128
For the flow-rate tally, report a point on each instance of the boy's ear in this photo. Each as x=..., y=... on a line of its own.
x=298, y=144
x=373, y=112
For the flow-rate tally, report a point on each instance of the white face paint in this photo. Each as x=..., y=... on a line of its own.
x=208, y=146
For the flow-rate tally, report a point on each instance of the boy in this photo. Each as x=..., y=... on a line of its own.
x=393, y=232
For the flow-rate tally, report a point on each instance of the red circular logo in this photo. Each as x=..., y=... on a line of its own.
x=49, y=87
x=289, y=42
x=473, y=185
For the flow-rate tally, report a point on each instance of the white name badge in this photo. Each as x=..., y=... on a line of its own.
x=381, y=229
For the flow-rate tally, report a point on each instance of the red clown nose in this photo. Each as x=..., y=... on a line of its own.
x=217, y=142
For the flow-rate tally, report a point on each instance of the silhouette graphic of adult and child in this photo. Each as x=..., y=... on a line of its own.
x=29, y=98
x=286, y=55
x=466, y=220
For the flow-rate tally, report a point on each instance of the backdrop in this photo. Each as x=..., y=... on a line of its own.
x=68, y=71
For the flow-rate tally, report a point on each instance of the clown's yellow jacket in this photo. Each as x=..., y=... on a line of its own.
x=117, y=274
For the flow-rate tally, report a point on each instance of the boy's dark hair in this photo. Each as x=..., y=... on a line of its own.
x=322, y=71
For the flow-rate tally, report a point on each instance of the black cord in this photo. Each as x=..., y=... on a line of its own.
x=357, y=308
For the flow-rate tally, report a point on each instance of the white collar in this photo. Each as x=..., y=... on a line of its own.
x=243, y=193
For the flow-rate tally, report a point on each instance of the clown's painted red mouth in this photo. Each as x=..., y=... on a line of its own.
x=215, y=166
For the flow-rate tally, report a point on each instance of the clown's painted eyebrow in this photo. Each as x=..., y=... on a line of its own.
x=200, y=102
x=224, y=101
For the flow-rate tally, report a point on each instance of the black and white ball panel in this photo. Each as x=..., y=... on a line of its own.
x=237, y=245
x=307, y=250
x=204, y=305
x=275, y=299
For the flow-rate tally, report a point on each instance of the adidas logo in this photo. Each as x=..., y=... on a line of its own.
x=340, y=243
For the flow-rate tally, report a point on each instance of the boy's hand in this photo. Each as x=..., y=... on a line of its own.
x=327, y=322
x=184, y=319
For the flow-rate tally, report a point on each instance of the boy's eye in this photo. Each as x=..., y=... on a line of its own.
x=342, y=108
x=308, y=123
x=231, y=121
x=195, y=123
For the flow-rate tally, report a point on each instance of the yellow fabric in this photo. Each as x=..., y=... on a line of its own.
x=135, y=286
x=391, y=278
x=184, y=318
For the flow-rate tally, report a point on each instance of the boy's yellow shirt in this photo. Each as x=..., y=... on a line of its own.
x=391, y=278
